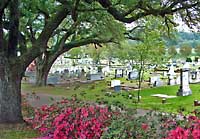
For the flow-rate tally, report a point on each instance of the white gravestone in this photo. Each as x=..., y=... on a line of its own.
x=95, y=77
x=171, y=75
x=165, y=74
x=195, y=76
x=119, y=73
x=184, y=89
x=115, y=83
x=198, y=75
x=133, y=75
x=155, y=81
x=106, y=70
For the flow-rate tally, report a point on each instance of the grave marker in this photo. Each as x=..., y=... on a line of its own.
x=95, y=77
x=156, y=81
x=119, y=73
x=171, y=74
x=184, y=89
x=133, y=75
x=53, y=79
x=115, y=83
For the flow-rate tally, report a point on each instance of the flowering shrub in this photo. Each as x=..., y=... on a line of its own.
x=84, y=123
x=27, y=109
x=128, y=126
x=69, y=119
x=189, y=130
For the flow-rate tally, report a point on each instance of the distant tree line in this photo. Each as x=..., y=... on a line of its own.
x=180, y=39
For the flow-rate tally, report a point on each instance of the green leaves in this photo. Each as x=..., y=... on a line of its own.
x=185, y=51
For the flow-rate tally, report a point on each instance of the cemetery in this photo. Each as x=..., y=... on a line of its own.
x=100, y=69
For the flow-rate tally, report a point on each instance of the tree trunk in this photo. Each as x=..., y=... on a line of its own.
x=41, y=75
x=10, y=92
x=140, y=81
x=43, y=66
x=42, y=70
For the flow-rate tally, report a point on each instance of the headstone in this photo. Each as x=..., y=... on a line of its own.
x=117, y=88
x=155, y=81
x=82, y=73
x=159, y=82
x=193, y=77
x=53, y=79
x=72, y=74
x=65, y=74
x=106, y=70
x=119, y=73
x=66, y=71
x=95, y=77
x=115, y=83
x=56, y=72
x=198, y=75
x=184, y=89
x=171, y=76
x=133, y=75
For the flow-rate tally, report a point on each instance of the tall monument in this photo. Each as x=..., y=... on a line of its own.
x=184, y=89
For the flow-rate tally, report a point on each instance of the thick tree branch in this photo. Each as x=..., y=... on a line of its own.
x=60, y=44
x=53, y=24
x=22, y=43
x=85, y=42
x=40, y=44
x=67, y=34
x=22, y=38
x=134, y=38
x=74, y=10
x=32, y=34
x=147, y=10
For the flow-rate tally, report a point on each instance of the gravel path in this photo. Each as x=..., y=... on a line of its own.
x=41, y=99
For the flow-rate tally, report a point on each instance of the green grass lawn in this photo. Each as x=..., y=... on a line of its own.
x=17, y=132
x=96, y=91
x=177, y=104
